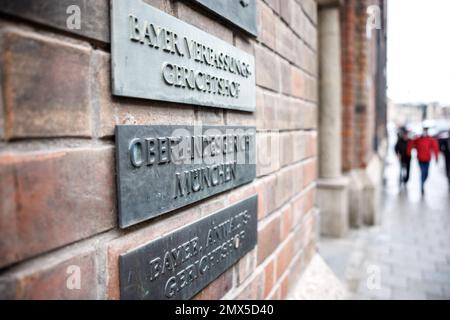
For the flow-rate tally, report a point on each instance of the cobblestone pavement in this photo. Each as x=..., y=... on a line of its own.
x=408, y=255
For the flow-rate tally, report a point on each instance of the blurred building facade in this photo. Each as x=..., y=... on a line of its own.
x=348, y=194
x=402, y=114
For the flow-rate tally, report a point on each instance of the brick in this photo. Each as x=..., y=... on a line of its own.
x=293, y=114
x=311, y=34
x=312, y=63
x=254, y=289
x=244, y=43
x=300, y=54
x=266, y=25
x=311, y=92
x=308, y=93
x=241, y=118
x=314, y=90
x=284, y=41
x=299, y=244
x=195, y=17
x=268, y=238
x=286, y=78
x=53, y=278
x=167, y=6
x=267, y=152
x=213, y=204
x=304, y=30
x=268, y=103
x=271, y=116
x=286, y=10
x=111, y=111
x=307, y=233
x=284, y=189
x=283, y=112
x=298, y=82
x=260, y=110
x=274, y=4
x=276, y=294
x=310, y=196
x=311, y=144
x=246, y=266
x=303, y=236
x=310, y=172
x=298, y=23
x=310, y=8
x=218, y=288
x=284, y=257
x=297, y=267
x=299, y=145
x=208, y=116
x=297, y=210
x=296, y=171
x=284, y=288
x=46, y=87
x=311, y=250
x=286, y=149
x=266, y=196
x=157, y=113
x=269, y=278
x=241, y=193
x=53, y=13
x=286, y=221
x=2, y=122
x=310, y=119
x=267, y=69
x=52, y=198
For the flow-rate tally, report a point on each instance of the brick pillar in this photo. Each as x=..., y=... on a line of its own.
x=348, y=19
x=361, y=90
x=349, y=71
x=332, y=193
x=363, y=194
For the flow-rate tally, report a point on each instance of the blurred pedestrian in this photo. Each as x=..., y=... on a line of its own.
x=401, y=149
x=445, y=148
x=425, y=145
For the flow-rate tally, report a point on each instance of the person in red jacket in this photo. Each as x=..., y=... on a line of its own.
x=425, y=145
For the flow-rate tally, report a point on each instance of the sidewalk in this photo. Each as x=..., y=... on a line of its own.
x=408, y=255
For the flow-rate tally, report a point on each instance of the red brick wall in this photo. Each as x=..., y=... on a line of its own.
x=57, y=166
x=348, y=20
x=359, y=66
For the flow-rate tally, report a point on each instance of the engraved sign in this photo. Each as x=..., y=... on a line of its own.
x=162, y=168
x=241, y=13
x=156, y=56
x=180, y=264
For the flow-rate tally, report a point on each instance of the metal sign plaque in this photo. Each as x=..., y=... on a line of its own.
x=156, y=56
x=241, y=13
x=180, y=264
x=162, y=168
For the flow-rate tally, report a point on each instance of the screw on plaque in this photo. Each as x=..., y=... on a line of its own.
x=244, y=3
x=236, y=242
